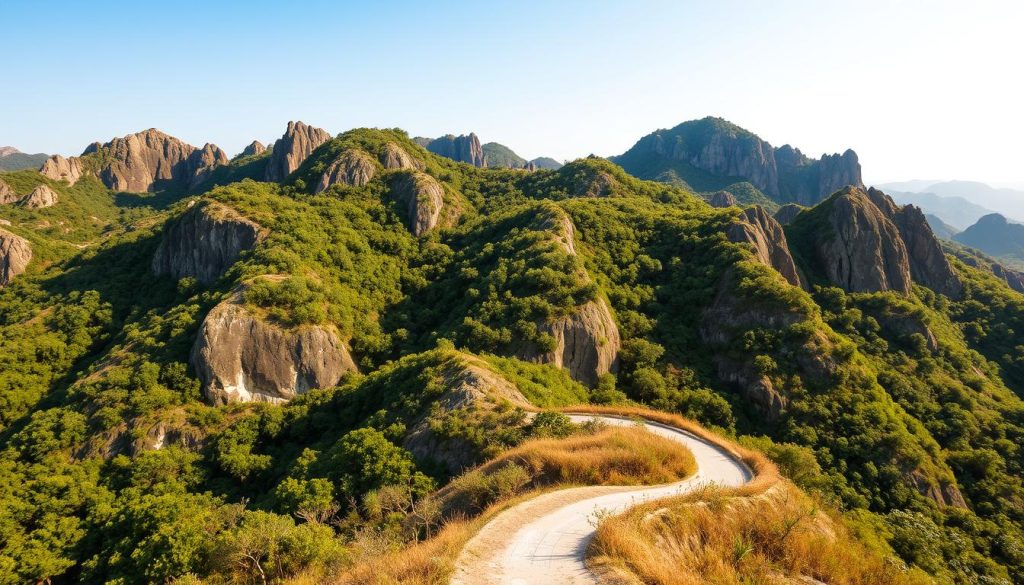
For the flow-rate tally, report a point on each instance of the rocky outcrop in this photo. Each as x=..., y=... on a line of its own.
x=353, y=167
x=856, y=244
x=59, y=168
x=754, y=226
x=1012, y=278
x=143, y=162
x=201, y=163
x=255, y=147
x=204, y=242
x=787, y=213
x=595, y=183
x=299, y=141
x=7, y=194
x=723, y=149
x=15, y=254
x=423, y=197
x=722, y=199
x=395, y=157
x=241, y=358
x=587, y=343
x=928, y=263
x=944, y=493
x=40, y=197
x=463, y=148
x=554, y=220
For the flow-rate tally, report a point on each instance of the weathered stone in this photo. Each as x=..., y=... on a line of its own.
x=241, y=358
x=754, y=226
x=587, y=343
x=787, y=213
x=463, y=148
x=353, y=167
x=40, y=197
x=201, y=163
x=255, y=147
x=722, y=199
x=204, y=242
x=395, y=157
x=144, y=161
x=15, y=254
x=424, y=199
x=7, y=194
x=59, y=168
x=292, y=149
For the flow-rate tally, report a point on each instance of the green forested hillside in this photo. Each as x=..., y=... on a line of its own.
x=902, y=410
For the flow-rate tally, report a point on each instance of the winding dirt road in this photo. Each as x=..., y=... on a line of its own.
x=544, y=540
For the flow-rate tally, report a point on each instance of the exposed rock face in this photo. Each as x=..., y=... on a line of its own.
x=15, y=254
x=255, y=147
x=141, y=162
x=928, y=264
x=722, y=199
x=7, y=195
x=395, y=157
x=352, y=167
x=858, y=246
x=240, y=358
x=299, y=141
x=204, y=242
x=587, y=343
x=787, y=213
x=59, y=168
x=463, y=148
x=723, y=149
x=424, y=198
x=598, y=184
x=1012, y=278
x=756, y=227
x=557, y=222
x=40, y=197
x=943, y=493
x=202, y=161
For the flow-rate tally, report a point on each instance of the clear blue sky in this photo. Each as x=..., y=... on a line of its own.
x=920, y=89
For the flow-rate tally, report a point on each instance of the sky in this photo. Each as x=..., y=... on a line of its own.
x=920, y=89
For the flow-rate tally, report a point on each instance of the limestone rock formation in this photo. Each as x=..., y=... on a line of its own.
x=59, y=168
x=204, y=242
x=241, y=358
x=40, y=197
x=201, y=163
x=395, y=157
x=756, y=227
x=587, y=343
x=143, y=162
x=255, y=147
x=462, y=148
x=7, y=195
x=722, y=199
x=857, y=245
x=424, y=199
x=353, y=167
x=299, y=141
x=15, y=254
x=787, y=213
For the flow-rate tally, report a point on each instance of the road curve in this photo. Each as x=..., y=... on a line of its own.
x=544, y=539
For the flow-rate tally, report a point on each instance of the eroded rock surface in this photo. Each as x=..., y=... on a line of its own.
x=15, y=254
x=395, y=157
x=204, y=242
x=143, y=161
x=424, y=198
x=201, y=163
x=299, y=141
x=754, y=226
x=255, y=147
x=722, y=199
x=59, y=168
x=463, y=148
x=353, y=167
x=787, y=213
x=7, y=194
x=241, y=358
x=40, y=197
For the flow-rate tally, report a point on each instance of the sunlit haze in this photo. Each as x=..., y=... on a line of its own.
x=926, y=90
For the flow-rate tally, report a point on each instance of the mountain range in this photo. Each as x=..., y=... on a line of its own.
x=336, y=358
x=12, y=159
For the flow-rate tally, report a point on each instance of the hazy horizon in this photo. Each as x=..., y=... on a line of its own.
x=920, y=89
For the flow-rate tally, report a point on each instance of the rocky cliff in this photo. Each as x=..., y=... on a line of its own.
x=201, y=163
x=143, y=161
x=255, y=147
x=787, y=213
x=755, y=227
x=7, y=194
x=59, y=168
x=40, y=197
x=241, y=358
x=353, y=167
x=423, y=197
x=462, y=148
x=722, y=149
x=15, y=254
x=722, y=199
x=395, y=157
x=299, y=141
x=204, y=242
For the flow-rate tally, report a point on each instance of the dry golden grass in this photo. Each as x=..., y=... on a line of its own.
x=717, y=536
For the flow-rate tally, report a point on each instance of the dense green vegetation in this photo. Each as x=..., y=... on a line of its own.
x=114, y=468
